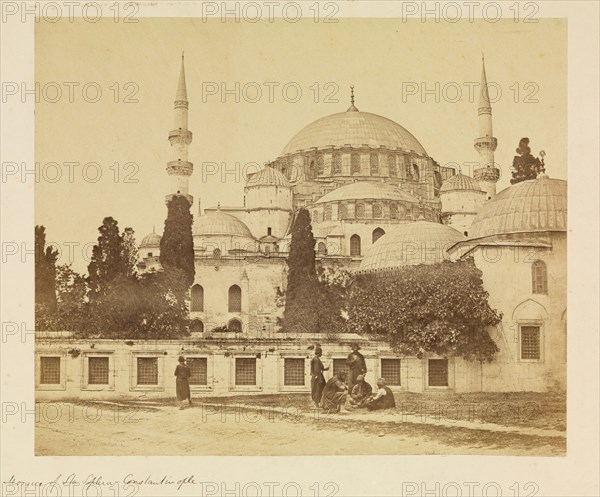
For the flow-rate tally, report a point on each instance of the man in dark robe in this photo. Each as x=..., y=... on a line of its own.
x=317, y=380
x=182, y=384
x=360, y=392
x=335, y=394
x=356, y=365
x=383, y=399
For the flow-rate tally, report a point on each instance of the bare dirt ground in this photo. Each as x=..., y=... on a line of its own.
x=281, y=425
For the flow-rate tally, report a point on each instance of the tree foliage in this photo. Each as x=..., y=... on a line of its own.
x=525, y=166
x=440, y=309
x=45, y=271
x=177, y=243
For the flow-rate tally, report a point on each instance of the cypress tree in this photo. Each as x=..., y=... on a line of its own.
x=45, y=271
x=525, y=166
x=177, y=243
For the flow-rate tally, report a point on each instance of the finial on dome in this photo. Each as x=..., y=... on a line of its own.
x=542, y=173
x=352, y=108
x=218, y=206
x=182, y=55
x=154, y=228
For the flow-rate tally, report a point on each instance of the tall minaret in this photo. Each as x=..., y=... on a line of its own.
x=180, y=169
x=488, y=174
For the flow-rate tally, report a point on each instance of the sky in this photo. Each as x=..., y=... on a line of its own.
x=389, y=62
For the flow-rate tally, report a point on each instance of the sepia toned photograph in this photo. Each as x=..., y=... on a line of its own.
x=301, y=238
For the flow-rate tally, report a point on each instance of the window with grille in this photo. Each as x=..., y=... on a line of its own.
x=199, y=369
x=355, y=163
x=340, y=366
x=415, y=172
x=408, y=170
x=360, y=211
x=377, y=211
x=374, y=161
x=293, y=372
x=147, y=370
x=197, y=303
x=342, y=212
x=355, y=245
x=337, y=164
x=327, y=213
x=377, y=234
x=235, y=326
x=245, y=371
x=97, y=370
x=393, y=211
x=197, y=326
x=390, y=371
x=392, y=166
x=50, y=370
x=320, y=164
x=311, y=170
x=438, y=373
x=235, y=299
x=315, y=216
x=530, y=342
x=539, y=277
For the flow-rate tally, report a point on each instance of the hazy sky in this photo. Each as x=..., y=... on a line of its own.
x=381, y=57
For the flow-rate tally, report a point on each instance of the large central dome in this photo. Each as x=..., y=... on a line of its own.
x=355, y=129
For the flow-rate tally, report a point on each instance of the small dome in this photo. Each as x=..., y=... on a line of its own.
x=151, y=240
x=356, y=129
x=533, y=205
x=421, y=242
x=267, y=177
x=460, y=182
x=367, y=190
x=220, y=223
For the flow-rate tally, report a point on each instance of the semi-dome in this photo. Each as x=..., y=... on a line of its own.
x=421, y=242
x=528, y=206
x=460, y=182
x=220, y=223
x=267, y=177
x=151, y=240
x=367, y=190
x=355, y=129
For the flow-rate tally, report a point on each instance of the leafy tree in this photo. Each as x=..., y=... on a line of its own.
x=109, y=259
x=440, y=308
x=301, y=312
x=45, y=271
x=525, y=166
x=334, y=284
x=177, y=243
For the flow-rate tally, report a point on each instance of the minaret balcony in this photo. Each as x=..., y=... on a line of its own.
x=485, y=143
x=180, y=136
x=489, y=173
x=180, y=168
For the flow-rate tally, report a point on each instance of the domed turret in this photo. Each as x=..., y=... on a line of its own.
x=216, y=233
x=461, y=198
x=151, y=240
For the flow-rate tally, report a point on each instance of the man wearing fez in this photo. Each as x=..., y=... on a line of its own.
x=317, y=380
x=356, y=365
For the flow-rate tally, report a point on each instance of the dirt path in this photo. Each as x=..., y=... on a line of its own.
x=206, y=430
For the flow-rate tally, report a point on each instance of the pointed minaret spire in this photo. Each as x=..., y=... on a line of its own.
x=352, y=108
x=487, y=174
x=179, y=168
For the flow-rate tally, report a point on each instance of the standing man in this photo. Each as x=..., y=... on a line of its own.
x=356, y=365
x=317, y=380
x=182, y=384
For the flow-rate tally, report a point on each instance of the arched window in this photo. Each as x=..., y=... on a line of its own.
x=539, y=277
x=320, y=164
x=360, y=211
x=374, y=161
x=234, y=325
x=217, y=253
x=355, y=163
x=337, y=164
x=196, y=326
x=342, y=212
x=197, y=300
x=321, y=249
x=315, y=216
x=355, y=246
x=377, y=234
x=327, y=214
x=393, y=211
x=311, y=170
x=392, y=166
x=415, y=172
x=235, y=299
x=377, y=211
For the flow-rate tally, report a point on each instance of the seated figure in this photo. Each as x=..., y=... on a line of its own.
x=335, y=393
x=383, y=399
x=361, y=392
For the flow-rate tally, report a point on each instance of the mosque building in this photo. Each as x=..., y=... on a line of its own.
x=378, y=202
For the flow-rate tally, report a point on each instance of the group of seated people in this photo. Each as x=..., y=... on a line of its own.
x=336, y=395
